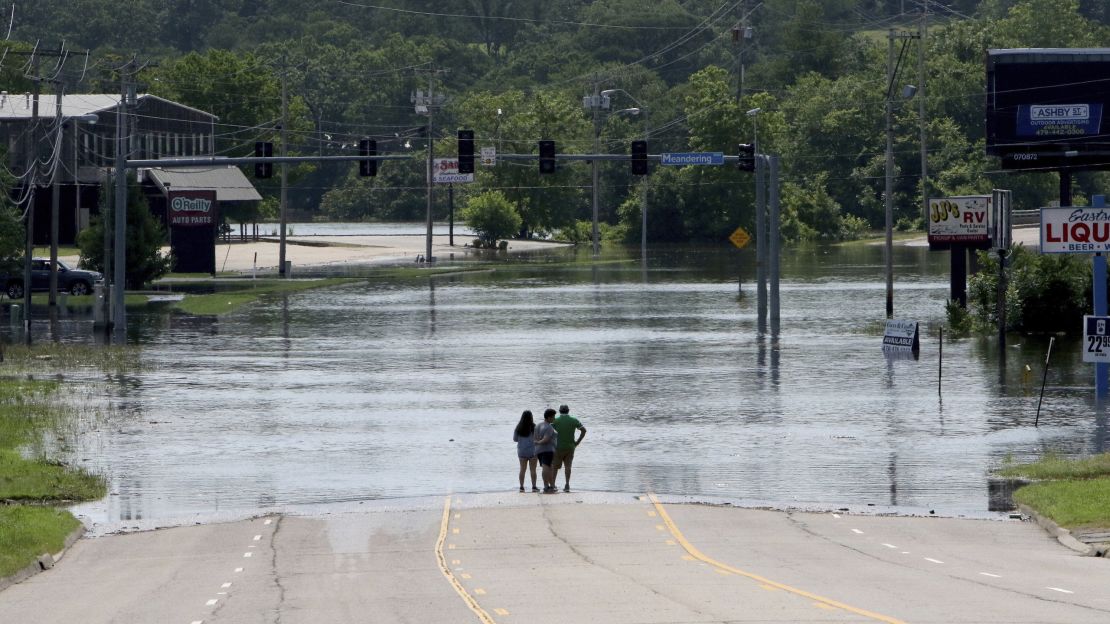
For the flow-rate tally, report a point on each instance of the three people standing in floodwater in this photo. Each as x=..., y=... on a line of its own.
x=553, y=445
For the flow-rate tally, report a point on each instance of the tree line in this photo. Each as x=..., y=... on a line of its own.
x=516, y=73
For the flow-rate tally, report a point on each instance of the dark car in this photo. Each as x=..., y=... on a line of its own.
x=71, y=280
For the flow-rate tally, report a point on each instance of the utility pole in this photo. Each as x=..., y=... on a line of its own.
x=284, y=169
x=921, y=115
x=54, y=192
x=888, y=199
x=30, y=181
x=425, y=105
x=119, y=313
x=431, y=167
x=596, y=102
x=888, y=195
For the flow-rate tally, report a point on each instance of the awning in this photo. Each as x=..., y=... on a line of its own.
x=228, y=181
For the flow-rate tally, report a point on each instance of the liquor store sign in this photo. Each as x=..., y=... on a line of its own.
x=192, y=208
x=1075, y=230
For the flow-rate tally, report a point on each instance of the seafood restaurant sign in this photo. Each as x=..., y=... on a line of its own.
x=1075, y=230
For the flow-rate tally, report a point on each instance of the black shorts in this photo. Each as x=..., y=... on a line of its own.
x=546, y=457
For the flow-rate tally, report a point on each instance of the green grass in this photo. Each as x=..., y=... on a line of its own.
x=1073, y=493
x=52, y=358
x=1071, y=504
x=27, y=532
x=1052, y=466
x=28, y=412
x=231, y=300
x=23, y=480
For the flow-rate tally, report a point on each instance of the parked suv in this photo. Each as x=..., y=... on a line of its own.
x=71, y=280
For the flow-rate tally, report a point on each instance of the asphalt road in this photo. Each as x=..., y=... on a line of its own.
x=577, y=558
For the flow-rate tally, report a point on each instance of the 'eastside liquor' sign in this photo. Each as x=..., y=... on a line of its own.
x=1075, y=230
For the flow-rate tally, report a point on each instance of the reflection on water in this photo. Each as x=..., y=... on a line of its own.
x=388, y=389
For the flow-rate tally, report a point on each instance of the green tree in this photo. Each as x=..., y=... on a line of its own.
x=1045, y=292
x=492, y=216
x=144, y=235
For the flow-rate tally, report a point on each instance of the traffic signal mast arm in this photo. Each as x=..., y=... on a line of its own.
x=250, y=160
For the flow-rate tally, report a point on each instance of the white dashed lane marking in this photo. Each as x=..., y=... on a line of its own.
x=212, y=602
x=933, y=560
x=257, y=537
x=857, y=531
x=890, y=545
x=237, y=570
x=225, y=585
x=1062, y=591
x=989, y=574
x=247, y=554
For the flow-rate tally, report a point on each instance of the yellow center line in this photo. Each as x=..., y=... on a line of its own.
x=697, y=554
x=484, y=617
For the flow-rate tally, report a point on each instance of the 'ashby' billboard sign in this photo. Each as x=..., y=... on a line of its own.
x=192, y=208
x=1075, y=230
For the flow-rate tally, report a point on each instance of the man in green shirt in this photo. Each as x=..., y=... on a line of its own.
x=565, y=424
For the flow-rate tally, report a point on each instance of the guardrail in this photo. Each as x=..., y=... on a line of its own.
x=1019, y=218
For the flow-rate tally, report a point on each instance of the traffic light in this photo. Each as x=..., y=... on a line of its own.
x=367, y=147
x=466, y=151
x=547, y=156
x=639, y=158
x=747, y=157
x=263, y=149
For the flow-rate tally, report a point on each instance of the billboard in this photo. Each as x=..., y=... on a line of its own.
x=963, y=220
x=1046, y=108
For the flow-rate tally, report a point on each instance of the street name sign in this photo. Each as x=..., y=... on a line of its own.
x=680, y=159
x=740, y=238
x=1096, y=339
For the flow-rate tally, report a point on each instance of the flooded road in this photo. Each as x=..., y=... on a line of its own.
x=397, y=389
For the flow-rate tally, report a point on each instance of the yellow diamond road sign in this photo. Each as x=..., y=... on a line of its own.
x=740, y=238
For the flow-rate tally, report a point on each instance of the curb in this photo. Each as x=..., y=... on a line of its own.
x=45, y=561
x=1063, y=535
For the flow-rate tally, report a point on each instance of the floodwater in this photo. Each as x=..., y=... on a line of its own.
x=384, y=389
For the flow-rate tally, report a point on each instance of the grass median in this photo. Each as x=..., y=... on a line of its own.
x=1073, y=493
x=32, y=484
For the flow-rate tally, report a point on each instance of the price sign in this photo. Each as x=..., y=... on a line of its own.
x=1096, y=339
